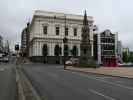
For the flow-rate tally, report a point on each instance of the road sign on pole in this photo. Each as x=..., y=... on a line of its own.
x=17, y=47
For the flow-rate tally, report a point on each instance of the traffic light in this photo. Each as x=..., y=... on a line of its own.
x=17, y=47
x=65, y=40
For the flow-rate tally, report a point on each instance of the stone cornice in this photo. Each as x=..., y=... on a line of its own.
x=59, y=14
x=53, y=39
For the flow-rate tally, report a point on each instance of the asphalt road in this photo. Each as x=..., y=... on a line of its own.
x=53, y=83
x=7, y=82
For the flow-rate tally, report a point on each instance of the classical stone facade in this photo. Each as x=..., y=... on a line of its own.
x=1, y=44
x=47, y=31
x=25, y=40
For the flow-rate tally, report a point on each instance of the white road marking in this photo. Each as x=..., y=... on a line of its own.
x=101, y=80
x=58, y=67
x=120, y=82
x=115, y=82
x=123, y=86
x=100, y=94
x=53, y=75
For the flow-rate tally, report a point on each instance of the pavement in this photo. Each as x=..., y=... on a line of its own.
x=25, y=89
x=7, y=82
x=126, y=72
x=51, y=82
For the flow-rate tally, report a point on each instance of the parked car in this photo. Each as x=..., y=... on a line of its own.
x=1, y=57
x=120, y=64
x=126, y=64
x=68, y=62
x=13, y=54
x=5, y=59
x=72, y=61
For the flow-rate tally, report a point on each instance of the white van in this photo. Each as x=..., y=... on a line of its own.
x=1, y=56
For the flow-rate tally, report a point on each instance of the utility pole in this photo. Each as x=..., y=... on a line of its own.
x=17, y=49
x=65, y=40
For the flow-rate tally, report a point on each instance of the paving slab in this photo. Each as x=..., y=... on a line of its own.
x=126, y=72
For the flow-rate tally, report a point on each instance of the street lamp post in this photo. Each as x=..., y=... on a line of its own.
x=65, y=40
x=17, y=51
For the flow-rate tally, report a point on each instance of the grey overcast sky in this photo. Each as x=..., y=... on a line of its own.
x=116, y=15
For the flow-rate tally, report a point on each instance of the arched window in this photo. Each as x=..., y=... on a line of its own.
x=75, y=51
x=45, y=50
x=66, y=50
x=56, y=50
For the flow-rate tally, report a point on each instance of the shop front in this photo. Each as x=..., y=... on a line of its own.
x=110, y=62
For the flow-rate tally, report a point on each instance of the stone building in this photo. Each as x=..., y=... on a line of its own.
x=25, y=40
x=119, y=51
x=105, y=48
x=1, y=44
x=47, y=31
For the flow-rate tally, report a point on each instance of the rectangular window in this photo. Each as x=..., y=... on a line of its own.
x=57, y=30
x=45, y=29
x=75, y=31
x=66, y=31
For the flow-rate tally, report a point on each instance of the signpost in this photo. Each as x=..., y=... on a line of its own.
x=65, y=40
x=17, y=49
